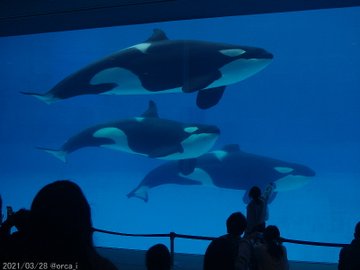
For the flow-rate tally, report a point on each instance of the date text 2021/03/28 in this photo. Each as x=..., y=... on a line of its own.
x=38, y=266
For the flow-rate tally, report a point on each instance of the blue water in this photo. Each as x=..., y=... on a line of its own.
x=304, y=108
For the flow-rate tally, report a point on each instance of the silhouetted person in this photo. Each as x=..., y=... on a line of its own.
x=349, y=257
x=61, y=229
x=11, y=243
x=271, y=254
x=257, y=209
x=20, y=220
x=158, y=258
x=224, y=251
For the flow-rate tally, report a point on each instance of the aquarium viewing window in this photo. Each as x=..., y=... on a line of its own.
x=181, y=125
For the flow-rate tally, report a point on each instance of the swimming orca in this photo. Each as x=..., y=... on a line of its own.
x=228, y=168
x=147, y=135
x=160, y=65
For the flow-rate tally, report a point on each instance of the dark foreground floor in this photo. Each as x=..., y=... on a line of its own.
x=130, y=259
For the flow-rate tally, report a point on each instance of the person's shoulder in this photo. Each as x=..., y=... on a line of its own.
x=346, y=248
x=344, y=251
x=354, y=246
x=218, y=242
x=284, y=249
x=355, y=243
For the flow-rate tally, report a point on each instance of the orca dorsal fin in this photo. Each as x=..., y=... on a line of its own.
x=158, y=35
x=232, y=148
x=151, y=110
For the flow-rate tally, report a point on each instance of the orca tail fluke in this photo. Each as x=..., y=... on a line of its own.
x=43, y=97
x=140, y=192
x=60, y=154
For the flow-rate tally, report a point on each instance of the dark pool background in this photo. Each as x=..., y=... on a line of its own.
x=304, y=107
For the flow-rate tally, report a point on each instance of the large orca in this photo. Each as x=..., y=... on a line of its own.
x=160, y=65
x=228, y=168
x=147, y=135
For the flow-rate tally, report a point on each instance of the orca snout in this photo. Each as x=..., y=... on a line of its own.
x=210, y=130
x=258, y=53
x=305, y=171
x=310, y=172
x=267, y=55
x=263, y=54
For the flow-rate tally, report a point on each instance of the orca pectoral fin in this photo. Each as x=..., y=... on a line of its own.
x=200, y=82
x=43, y=97
x=166, y=151
x=187, y=166
x=60, y=154
x=209, y=97
x=140, y=192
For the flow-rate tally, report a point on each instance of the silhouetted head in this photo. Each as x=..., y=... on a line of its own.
x=357, y=231
x=158, y=258
x=271, y=233
x=272, y=240
x=255, y=193
x=61, y=213
x=236, y=224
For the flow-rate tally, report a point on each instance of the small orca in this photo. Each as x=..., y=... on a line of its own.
x=147, y=135
x=160, y=65
x=228, y=168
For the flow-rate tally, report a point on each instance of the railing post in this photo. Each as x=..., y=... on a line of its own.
x=172, y=248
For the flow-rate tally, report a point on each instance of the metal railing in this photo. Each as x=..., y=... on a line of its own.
x=173, y=235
